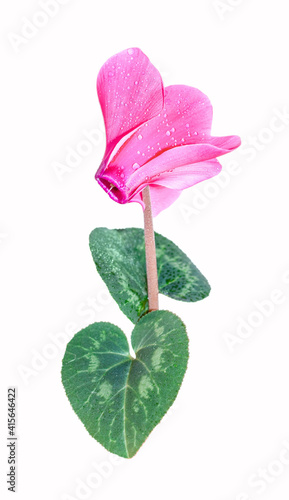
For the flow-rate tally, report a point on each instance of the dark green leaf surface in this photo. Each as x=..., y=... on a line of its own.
x=118, y=398
x=119, y=256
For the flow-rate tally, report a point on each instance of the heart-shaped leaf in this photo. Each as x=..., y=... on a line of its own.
x=119, y=256
x=120, y=399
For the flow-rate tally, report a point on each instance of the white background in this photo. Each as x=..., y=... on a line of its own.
x=230, y=420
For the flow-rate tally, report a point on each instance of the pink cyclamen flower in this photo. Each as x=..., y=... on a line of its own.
x=155, y=136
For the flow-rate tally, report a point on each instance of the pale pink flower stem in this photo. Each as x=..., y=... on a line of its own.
x=150, y=248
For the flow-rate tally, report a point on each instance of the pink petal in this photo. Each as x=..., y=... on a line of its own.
x=189, y=175
x=130, y=91
x=185, y=119
x=165, y=190
x=162, y=198
x=170, y=152
x=171, y=162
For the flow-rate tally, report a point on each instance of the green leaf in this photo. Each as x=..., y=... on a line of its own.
x=118, y=398
x=119, y=256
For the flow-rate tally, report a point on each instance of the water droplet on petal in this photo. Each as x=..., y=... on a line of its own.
x=139, y=137
x=173, y=129
x=187, y=125
x=168, y=133
x=130, y=52
x=135, y=166
x=136, y=83
x=195, y=133
x=110, y=73
x=122, y=176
